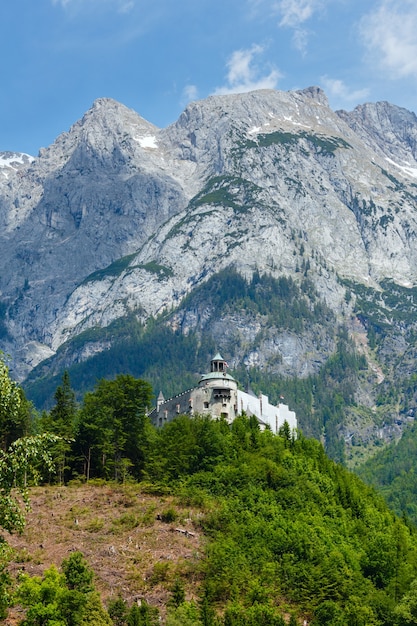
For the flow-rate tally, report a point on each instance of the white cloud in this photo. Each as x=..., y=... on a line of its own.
x=338, y=92
x=244, y=75
x=389, y=33
x=296, y=12
x=189, y=93
x=300, y=39
x=293, y=14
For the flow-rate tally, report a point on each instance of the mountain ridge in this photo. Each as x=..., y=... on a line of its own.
x=121, y=220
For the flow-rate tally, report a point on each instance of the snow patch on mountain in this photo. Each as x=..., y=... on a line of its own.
x=11, y=162
x=406, y=169
x=148, y=142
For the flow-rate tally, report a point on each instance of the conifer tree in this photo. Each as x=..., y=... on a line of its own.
x=177, y=593
x=117, y=609
x=62, y=415
x=61, y=421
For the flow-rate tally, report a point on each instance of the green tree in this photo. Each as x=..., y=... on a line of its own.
x=78, y=575
x=113, y=429
x=94, y=612
x=328, y=613
x=40, y=596
x=66, y=599
x=143, y=615
x=15, y=415
x=19, y=465
x=406, y=610
x=5, y=581
x=61, y=421
x=177, y=593
x=18, y=468
x=207, y=614
x=62, y=415
x=186, y=614
x=117, y=609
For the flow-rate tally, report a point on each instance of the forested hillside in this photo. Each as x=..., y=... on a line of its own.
x=287, y=534
x=171, y=355
x=392, y=472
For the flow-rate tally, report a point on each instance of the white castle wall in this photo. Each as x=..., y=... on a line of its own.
x=267, y=414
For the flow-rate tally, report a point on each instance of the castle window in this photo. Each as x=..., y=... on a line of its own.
x=222, y=393
x=206, y=405
x=178, y=408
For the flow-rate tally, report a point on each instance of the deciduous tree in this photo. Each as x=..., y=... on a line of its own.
x=113, y=428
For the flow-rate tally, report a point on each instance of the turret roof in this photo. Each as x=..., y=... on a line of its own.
x=218, y=375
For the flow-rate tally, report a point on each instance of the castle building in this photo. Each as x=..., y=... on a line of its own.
x=217, y=395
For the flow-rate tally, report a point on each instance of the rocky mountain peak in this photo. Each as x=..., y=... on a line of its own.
x=389, y=130
x=207, y=129
x=115, y=117
x=119, y=217
x=264, y=107
x=316, y=93
x=107, y=126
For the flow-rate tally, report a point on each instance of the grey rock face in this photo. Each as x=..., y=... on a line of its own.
x=118, y=216
x=389, y=130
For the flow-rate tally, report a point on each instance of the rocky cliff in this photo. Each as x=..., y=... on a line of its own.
x=120, y=218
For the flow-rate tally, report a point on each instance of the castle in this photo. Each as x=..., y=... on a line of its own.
x=217, y=395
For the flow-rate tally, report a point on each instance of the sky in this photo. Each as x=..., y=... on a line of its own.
x=155, y=56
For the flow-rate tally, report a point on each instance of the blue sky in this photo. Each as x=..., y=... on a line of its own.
x=155, y=56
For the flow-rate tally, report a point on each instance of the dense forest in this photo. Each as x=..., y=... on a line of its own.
x=290, y=535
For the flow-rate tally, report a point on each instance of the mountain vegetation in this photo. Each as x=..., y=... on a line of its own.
x=289, y=534
x=264, y=224
x=392, y=471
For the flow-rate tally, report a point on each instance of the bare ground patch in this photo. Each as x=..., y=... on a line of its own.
x=136, y=543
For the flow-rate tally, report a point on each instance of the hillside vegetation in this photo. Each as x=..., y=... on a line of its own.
x=282, y=531
x=202, y=522
x=392, y=472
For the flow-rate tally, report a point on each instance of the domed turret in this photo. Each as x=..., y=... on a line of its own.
x=218, y=364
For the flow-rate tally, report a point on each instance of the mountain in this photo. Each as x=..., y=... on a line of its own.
x=118, y=223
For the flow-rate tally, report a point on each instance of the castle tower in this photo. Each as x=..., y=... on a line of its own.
x=216, y=393
x=218, y=364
